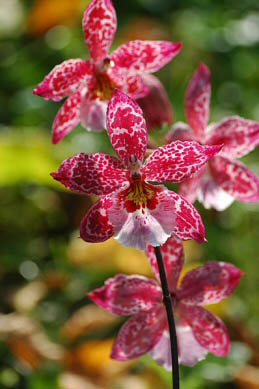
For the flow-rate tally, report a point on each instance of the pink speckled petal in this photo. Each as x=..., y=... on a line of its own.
x=95, y=226
x=176, y=161
x=139, y=334
x=93, y=115
x=239, y=136
x=152, y=223
x=180, y=131
x=211, y=195
x=144, y=56
x=67, y=117
x=156, y=106
x=197, y=100
x=173, y=258
x=98, y=174
x=190, y=187
x=235, y=179
x=126, y=128
x=99, y=26
x=65, y=79
x=127, y=295
x=188, y=221
x=209, y=331
x=209, y=284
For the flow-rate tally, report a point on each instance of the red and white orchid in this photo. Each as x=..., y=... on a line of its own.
x=89, y=84
x=130, y=208
x=198, y=330
x=224, y=179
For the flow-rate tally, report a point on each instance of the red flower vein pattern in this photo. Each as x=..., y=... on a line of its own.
x=198, y=330
x=95, y=80
x=224, y=178
x=132, y=209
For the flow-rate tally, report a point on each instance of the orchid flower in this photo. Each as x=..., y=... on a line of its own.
x=198, y=330
x=89, y=84
x=131, y=208
x=224, y=179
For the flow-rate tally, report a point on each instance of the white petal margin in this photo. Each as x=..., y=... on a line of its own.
x=134, y=229
x=190, y=352
x=212, y=196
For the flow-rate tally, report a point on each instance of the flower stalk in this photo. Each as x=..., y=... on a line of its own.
x=170, y=318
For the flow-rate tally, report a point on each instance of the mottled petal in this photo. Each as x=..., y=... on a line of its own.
x=211, y=195
x=190, y=187
x=197, y=100
x=176, y=161
x=96, y=227
x=139, y=334
x=190, y=351
x=173, y=258
x=209, y=331
x=152, y=222
x=144, y=56
x=67, y=117
x=180, y=131
x=156, y=106
x=99, y=26
x=209, y=284
x=239, y=136
x=127, y=295
x=98, y=174
x=236, y=179
x=126, y=128
x=188, y=221
x=93, y=115
x=65, y=79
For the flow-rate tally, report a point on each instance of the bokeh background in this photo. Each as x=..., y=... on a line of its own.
x=50, y=334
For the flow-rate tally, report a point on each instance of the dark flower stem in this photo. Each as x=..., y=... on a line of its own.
x=170, y=318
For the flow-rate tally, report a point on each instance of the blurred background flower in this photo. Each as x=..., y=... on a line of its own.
x=50, y=334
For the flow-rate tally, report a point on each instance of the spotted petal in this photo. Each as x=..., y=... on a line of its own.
x=190, y=187
x=95, y=226
x=177, y=160
x=144, y=56
x=140, y=334
x=239, y=136
x=67, y=117
x=127, y=295
x=209, y=284
x=180, y=131
x=173, y=258
x=197, y=100
x=236, y=179
x=65, y=79
x=93, y=114
x=126, y=128
x=209, y=331
x=99, y=26
x=91, y=173
x=156, y=106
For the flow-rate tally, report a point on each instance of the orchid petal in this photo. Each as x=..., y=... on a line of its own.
x=239, y=136
x=95, y=226
x=197, y=100
x=190, y=351
x=173, y=258
x=153, y=222
x=93, y=115
x=126, y=128
x=210, y=194
x=209, y=331
x=98, y=174
x=177, y=161
x=236, y=179
x=144, y=56
x=65, y=79
x=139, y=334
x=190, y=187
x=209, y=284
x=127, y=295
x=67, y=117
x=180, y=131
x=132, y=85
x=156, y=106
x=161, y=352
x=99, y=26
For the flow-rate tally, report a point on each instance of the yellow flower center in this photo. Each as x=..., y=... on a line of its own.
x=105, y=86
